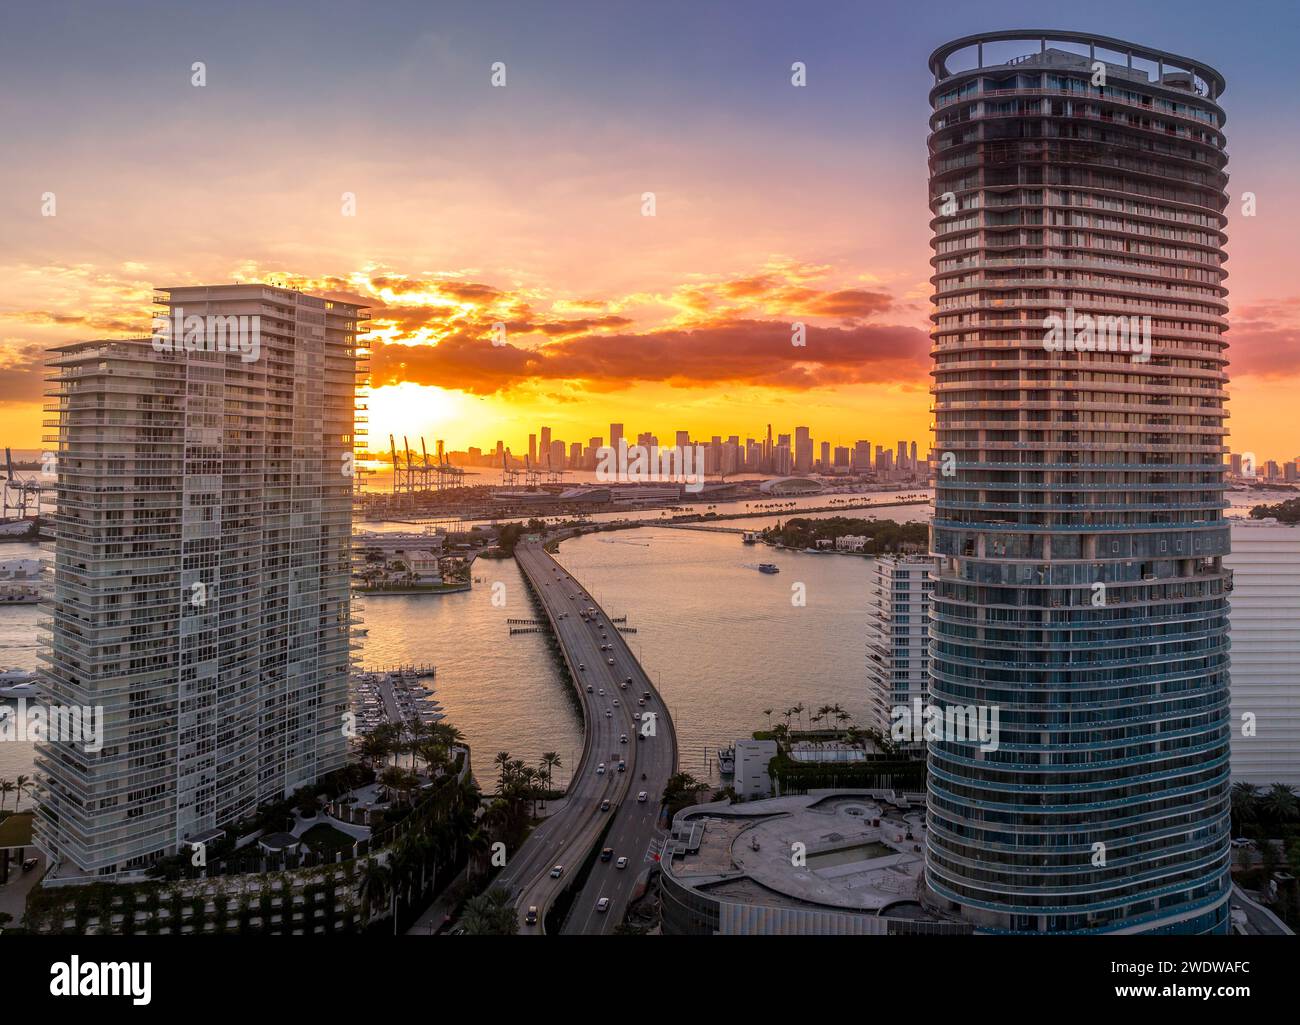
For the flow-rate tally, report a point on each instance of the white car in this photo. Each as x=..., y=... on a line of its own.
x=602, y=905
x=616, y=702
x=600, y=769
x=610, y=661
x=602, y=692
x=557, y=871
x=621, y=863
x=642, y=797
x=622, y=739
x=609, y=713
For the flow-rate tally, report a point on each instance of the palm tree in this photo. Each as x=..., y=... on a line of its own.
x=502, y=759
x=374, y=748
x=1245, y=804
x=768, y=712
x=22, y=785
x=1279, y=802
x=375, y=880
x=551, y=761
x=6, y=788
x=491, y=914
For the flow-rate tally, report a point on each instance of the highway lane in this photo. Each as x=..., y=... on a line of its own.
x=567, y=837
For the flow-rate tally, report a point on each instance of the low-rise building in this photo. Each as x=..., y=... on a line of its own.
x=829, y=862
x=751, y=779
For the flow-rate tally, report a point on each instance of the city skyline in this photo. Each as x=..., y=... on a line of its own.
x=609, y=314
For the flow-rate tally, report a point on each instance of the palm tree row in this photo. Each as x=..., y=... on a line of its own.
x=796, y=712
x=430, y=743
x=411, y=868
x=18, y=787
x=1274, y=807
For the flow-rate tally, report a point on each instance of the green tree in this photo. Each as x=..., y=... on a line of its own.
x=23, y=785
x=491, y=914
x=1280, y=803
x=1245, y=805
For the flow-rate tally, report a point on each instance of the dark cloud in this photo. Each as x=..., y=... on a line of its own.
x=754, y=352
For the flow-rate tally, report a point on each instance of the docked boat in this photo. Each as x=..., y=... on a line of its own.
x=749, y=537
x=767, y=567
x=17, y=683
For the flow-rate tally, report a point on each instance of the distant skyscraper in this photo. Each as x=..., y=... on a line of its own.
x=532, y=448
x=683, y=439
x=1080, y=591
x=862, y=456
x=803, y=450
x=615, y=436
x=201, y=589
x=544, y=442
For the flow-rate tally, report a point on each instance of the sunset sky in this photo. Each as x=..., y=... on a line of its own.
x=523, y=205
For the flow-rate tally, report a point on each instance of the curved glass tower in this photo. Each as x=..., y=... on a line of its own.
x=1078, y=534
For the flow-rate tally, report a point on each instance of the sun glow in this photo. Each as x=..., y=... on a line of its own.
x=413, y=410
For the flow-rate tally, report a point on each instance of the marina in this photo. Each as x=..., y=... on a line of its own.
x=394, y=696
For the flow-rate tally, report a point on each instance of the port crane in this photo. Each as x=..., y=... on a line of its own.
x=19, y=491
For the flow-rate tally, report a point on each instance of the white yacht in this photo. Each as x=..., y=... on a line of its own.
x=17, y=683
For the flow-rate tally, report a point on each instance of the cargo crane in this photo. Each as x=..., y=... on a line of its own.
x=392, y=447
x=18, y=491
x=449, y=476
x=553, y=476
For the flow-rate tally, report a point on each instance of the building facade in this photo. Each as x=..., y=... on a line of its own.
x=1265, y=564
x=897, y=634
x=202, y=565
x=1078, y=191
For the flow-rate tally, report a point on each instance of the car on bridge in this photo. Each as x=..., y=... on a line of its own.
x=600, y=769
x=589, y=688
x=557, y=871
x=642, y=797
x=621, y=863
x=606, y=853
x=604, y=805
x=602, y=905
x=531, y=917
x=610, y=661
